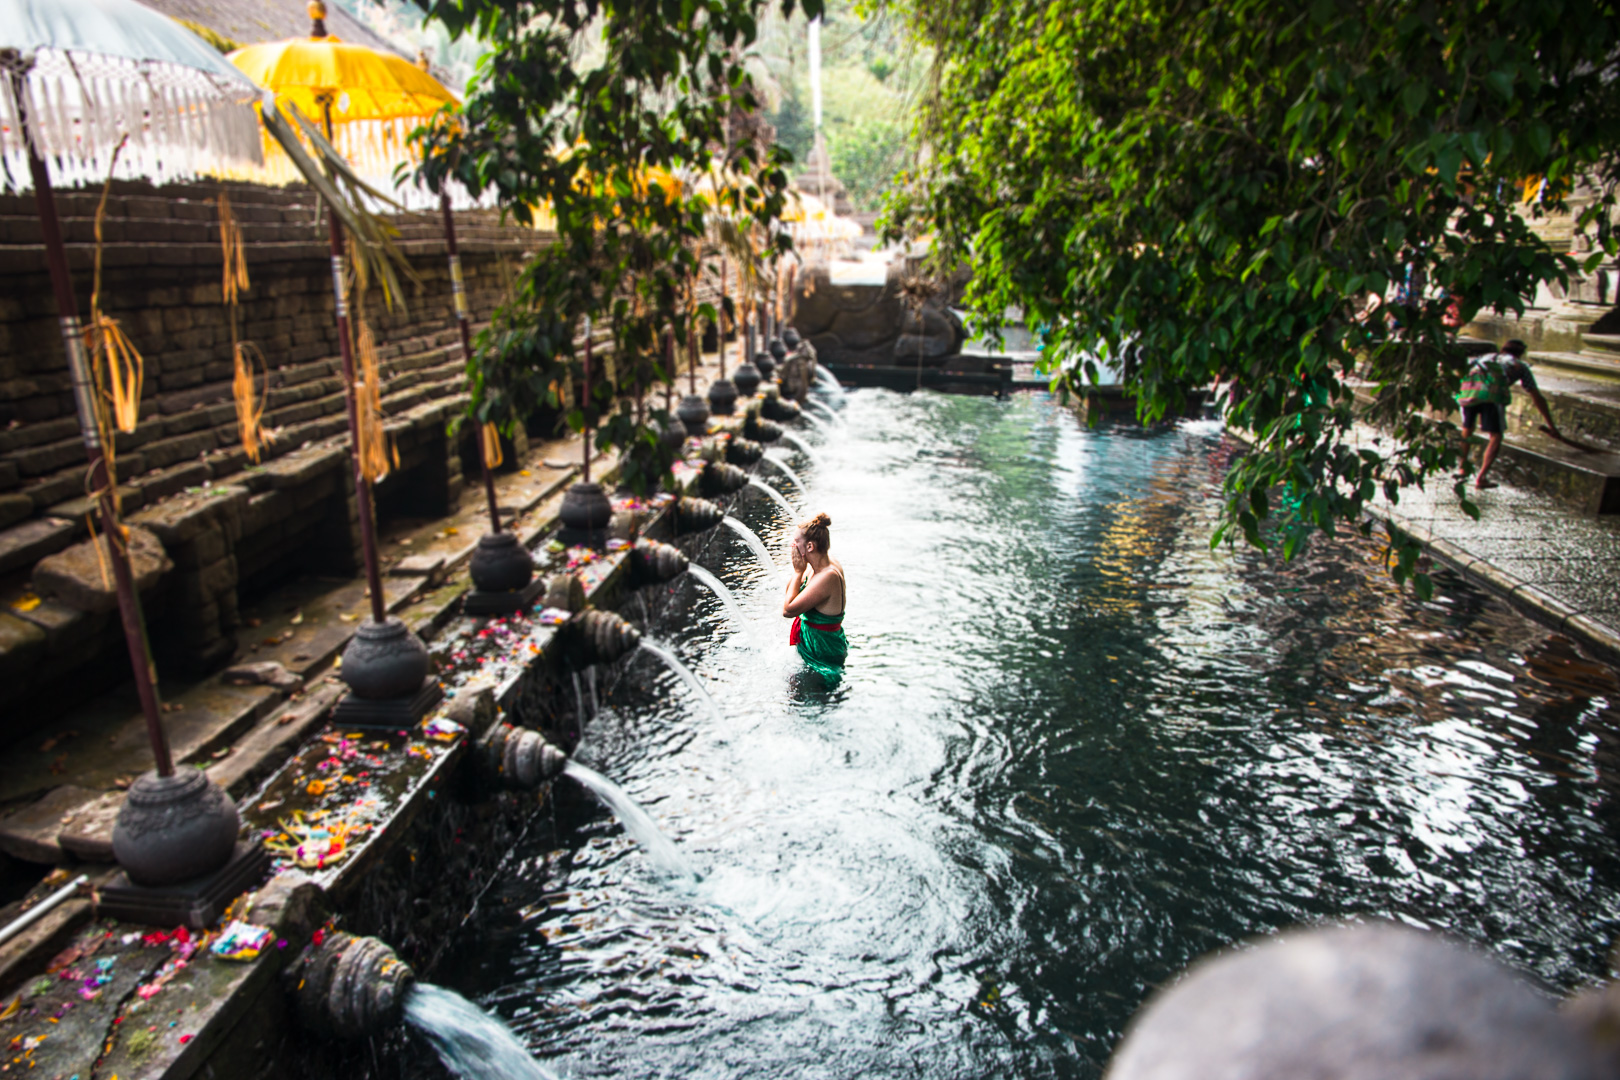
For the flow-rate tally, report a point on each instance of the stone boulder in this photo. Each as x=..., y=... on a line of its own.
x=849, y=324
x=85, y=581
x=1371, y=1002
x=933, y=333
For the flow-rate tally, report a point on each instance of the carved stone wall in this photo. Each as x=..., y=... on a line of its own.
x=231, y=528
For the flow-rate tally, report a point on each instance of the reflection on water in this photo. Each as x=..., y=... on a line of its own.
x=1075, y=749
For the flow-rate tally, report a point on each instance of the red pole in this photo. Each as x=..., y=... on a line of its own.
x=692, y=355
x=585, y=410
x=459, y=291
x=720, y=321
x=67, y=309
x=362, y=486
x=669, y=366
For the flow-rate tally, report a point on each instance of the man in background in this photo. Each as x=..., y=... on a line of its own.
x=1487, y=391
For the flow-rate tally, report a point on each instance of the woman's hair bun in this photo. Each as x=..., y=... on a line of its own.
x=816, y=531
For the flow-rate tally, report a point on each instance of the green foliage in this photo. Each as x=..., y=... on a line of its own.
x=866, y=155
x=1215, y=189
x=795, y=129
x=592, y=110
x=870, y=73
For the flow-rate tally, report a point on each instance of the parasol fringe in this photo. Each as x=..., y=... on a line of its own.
x=80, y=106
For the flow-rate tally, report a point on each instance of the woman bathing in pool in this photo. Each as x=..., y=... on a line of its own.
x=815, y=600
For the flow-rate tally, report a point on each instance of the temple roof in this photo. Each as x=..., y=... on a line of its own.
x=251, y=21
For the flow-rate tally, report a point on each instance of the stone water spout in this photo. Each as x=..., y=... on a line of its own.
x=779, y=408
x=598, y=637
x=652, y=562
x=351, y=987
x=741, y=451
x=721, y=479
x=696, y=515
x=521, y=757
x=764, y=431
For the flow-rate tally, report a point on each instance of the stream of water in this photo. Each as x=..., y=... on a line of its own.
x=1074, y=750
x=472, y=1044
x=787, y=470
x=661, y=851
x=755, y=544
x=722, y=592
x=802, y=447
x=684, y=673
x=776, y=496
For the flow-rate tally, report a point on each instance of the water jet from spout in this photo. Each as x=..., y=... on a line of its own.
x=802, y=447
x=776, y=496
x=683, y=673
x=754, y=542
x=471, y=1043
x=787, y=471
x=661, y=850
x=718, y=587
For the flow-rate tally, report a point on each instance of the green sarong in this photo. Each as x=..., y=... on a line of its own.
x=821, y=642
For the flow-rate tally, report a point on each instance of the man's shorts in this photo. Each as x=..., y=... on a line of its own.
x=1487, y=415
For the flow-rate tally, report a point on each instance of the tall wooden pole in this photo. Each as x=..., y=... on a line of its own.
x=362, y=486
x=720, y=319
x=67, y=310
x=669, y=367
x=458, y=290
x=585, y=409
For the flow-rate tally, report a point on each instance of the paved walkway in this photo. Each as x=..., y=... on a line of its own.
x=1555, y=564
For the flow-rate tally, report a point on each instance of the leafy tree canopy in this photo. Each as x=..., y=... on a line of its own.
x=611, y=116
x=1213, y=189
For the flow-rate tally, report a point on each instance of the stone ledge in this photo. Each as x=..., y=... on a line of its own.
x=30, y=833
x=1521, y=595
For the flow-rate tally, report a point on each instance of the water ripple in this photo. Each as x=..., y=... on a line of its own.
x=1075, y=749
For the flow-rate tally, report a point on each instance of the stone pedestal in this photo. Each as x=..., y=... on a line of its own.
x=196, y=904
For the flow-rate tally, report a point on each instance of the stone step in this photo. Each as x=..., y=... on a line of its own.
x=419, y=242
x=1602, y=347
x=1598, y=366
x=1587, y=481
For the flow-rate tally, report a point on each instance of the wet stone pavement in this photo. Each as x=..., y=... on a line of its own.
x=1559, y=566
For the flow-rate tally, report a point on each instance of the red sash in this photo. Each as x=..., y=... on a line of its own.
x=793, y=631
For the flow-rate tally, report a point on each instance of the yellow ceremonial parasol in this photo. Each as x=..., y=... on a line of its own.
x=368, y=102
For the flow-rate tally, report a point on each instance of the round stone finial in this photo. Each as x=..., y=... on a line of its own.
x=1372, y=1002
x=174, y=828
